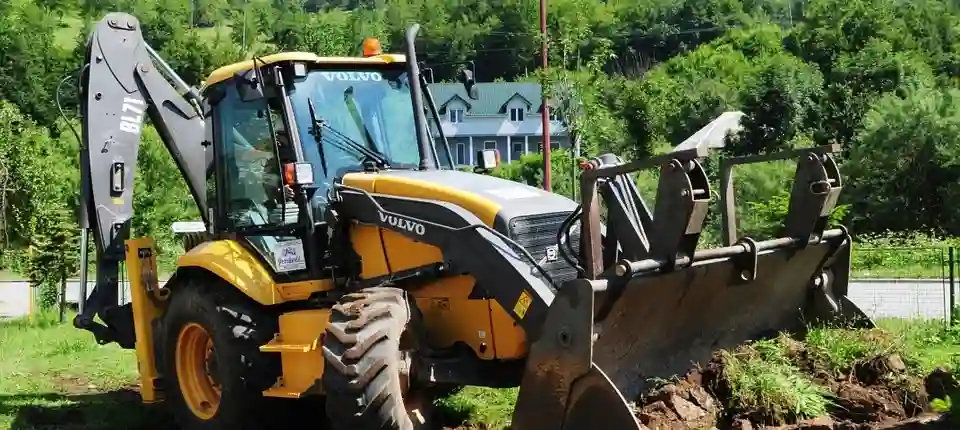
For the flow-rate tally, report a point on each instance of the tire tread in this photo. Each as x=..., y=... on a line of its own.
x=361, y=353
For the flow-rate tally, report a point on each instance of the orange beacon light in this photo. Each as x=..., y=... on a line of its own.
x=371, y=47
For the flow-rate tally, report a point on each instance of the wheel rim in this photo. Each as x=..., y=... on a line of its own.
x=196, y=363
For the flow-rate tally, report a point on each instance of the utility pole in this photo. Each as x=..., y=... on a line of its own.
x=545, y=114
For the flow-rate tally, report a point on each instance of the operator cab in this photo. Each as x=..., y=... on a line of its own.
x=284, y=130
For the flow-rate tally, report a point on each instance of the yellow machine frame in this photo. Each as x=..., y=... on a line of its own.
x=450, y=316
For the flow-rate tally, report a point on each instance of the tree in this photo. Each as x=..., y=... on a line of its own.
x=905, y=163
x=781, y=96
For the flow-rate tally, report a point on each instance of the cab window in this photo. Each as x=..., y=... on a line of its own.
x=370, y=107
x=254, y=194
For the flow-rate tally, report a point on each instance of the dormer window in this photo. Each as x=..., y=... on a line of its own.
x=456, y=115
x=516, y=114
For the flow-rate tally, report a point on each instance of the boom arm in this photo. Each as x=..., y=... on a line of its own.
x=120, y=83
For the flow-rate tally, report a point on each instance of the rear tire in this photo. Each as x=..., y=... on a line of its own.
x=208, y=317
x=363, y=361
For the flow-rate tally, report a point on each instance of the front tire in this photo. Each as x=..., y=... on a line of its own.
x=213, y=369
x=364, y=368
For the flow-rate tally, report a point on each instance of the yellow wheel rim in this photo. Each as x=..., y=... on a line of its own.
x=195, y=359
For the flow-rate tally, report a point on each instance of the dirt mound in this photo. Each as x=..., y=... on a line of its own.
x=788, y=388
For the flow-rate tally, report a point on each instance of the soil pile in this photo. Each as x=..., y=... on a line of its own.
x=783, y=384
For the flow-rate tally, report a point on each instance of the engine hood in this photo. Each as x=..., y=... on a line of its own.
x=492, y=199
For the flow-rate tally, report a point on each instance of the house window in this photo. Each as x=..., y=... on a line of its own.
x=456, y=115
x=461, y=153
x=490, y=144
x=518, y=148
x=516, y=114
x=553, y=115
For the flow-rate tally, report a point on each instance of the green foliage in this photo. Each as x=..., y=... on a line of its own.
x=905, y=160
x=39, y=200
x=54, y=255
x=529, y=170
x=762, y=377
x=480, y=407
x=840, y=350
x=901, y=254
x=779, y=99
x=32, y=65
x=634, y=78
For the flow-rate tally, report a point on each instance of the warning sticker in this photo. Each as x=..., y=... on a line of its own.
x=523, y=303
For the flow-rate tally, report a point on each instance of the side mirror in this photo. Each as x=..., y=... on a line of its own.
x=251, y=88
x=469, y=84
x=487, y=160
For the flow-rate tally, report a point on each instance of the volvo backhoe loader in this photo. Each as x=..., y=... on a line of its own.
x=343, y=256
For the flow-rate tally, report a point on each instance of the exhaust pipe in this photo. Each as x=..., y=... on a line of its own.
x=427, y=161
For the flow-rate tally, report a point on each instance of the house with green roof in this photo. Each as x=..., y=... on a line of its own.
x=506, y=117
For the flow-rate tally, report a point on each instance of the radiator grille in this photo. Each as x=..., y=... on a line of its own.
x=537, y=233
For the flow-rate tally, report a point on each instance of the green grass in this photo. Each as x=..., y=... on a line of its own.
x=839, y=350
x=6, y=275
x=772, y=378
x=483, y=408
x=928, y=344
x=902, y=255
x=900, y=262
x=763, y=377
x=70, y=27
x=55, y=376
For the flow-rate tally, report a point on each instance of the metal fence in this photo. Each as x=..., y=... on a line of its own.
x=908, y=282
x=914, y=282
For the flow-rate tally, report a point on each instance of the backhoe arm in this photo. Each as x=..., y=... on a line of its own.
x=123, y=80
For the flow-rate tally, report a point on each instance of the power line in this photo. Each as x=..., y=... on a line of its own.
x=630, y=33
x=635, y=34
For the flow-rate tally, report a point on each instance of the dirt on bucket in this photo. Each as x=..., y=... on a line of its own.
x=874, y=393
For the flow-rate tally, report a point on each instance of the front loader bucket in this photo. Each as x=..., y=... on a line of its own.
x=605, y=338
x=662, y=324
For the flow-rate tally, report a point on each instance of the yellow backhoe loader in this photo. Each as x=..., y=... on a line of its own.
x=342, y=255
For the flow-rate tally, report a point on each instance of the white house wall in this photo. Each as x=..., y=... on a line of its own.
x=511, y=138
x=518, y=146
x=498, y=126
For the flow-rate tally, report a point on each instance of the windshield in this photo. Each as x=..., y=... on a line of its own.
x=371, y=107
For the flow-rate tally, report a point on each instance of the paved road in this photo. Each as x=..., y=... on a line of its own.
x=905, y=298
x=15, y=296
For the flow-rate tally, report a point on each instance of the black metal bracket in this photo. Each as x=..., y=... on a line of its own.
x=816, y=188
x=597, y=172
x=683, y=198
x=672, y=231
x=429, y=272
x=628, y=215
x=745, y=264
